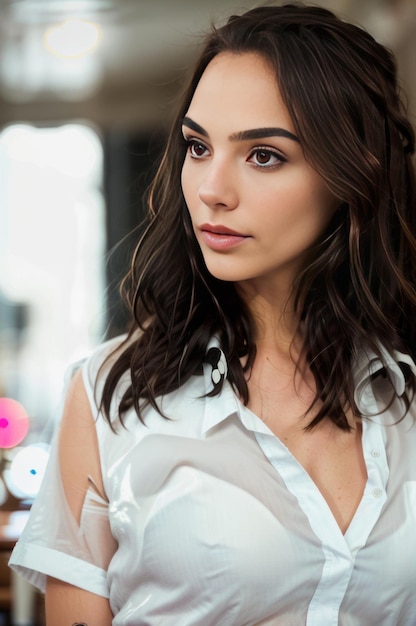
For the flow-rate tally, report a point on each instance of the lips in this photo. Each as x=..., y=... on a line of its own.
x=219, y=230
x=220, y=238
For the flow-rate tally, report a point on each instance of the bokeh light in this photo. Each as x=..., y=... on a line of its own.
x=72, y=38
x=26, y=471
x=14, y=423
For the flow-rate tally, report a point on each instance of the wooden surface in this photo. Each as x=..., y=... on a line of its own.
x=11, y=526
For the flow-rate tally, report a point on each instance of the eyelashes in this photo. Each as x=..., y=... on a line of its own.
x=266, y=158
x=196, y=149
x=260, y=157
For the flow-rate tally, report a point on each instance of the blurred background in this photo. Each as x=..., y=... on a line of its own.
x=87, y=91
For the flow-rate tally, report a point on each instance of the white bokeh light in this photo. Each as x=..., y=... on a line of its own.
x=27, y=470
x=72, y=38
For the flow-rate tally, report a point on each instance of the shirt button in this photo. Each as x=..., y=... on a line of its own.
x=375, y=453
x=215, y=376
x=377, y=492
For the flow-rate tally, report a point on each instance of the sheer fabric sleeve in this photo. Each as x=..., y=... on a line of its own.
x=57, y=540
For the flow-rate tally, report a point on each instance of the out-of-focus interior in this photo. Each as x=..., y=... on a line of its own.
x=87, y=91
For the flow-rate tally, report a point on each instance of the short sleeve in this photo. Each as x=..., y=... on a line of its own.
x=55, y=544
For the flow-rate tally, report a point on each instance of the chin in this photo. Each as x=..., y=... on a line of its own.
x=226, y=274
x=229, y=268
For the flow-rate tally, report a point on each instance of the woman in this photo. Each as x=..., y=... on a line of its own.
x=246, y=454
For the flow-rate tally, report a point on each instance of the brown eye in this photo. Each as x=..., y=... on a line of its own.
x=265, y=158
x=197, y=149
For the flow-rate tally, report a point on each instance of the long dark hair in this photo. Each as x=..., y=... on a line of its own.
x=358, y=288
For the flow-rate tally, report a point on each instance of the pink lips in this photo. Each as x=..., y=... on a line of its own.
x=219, y=237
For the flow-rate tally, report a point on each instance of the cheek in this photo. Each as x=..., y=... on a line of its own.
x=188, y=190
x=303, y=209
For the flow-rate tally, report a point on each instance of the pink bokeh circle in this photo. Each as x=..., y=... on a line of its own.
x=14, y=423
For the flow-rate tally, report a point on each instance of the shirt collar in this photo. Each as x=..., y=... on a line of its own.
x=224, y=404
x=221, y=406
x=369, y=364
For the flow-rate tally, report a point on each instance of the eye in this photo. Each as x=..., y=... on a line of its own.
x=196, y=149
x=266, y=158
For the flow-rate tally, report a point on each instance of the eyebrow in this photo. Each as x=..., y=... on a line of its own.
x=244, y=135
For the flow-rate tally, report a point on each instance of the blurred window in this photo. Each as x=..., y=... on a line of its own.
x=52, y=247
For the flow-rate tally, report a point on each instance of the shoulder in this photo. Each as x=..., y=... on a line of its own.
x=106, y=354
x=98, y=363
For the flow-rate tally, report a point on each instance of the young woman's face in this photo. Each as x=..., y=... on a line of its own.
x=256, y=205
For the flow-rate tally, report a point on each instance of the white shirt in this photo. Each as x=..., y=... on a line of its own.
x=211, y=521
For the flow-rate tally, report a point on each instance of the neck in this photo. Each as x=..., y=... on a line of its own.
x=279, y=373
x=276, y=322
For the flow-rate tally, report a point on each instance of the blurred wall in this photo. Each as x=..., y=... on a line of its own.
x=130, y=79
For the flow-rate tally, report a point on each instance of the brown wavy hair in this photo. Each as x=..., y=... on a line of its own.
x=357, y=288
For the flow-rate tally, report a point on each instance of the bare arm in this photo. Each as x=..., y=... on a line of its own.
x=67, y=605
x=79, y=458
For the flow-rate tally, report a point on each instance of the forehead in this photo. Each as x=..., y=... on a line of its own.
x=241, y=91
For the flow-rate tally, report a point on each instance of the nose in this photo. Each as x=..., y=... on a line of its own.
x=218, y=187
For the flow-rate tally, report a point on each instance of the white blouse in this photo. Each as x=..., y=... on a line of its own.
x=209, y=520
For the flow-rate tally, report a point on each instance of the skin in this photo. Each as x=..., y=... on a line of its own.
x=66, y=604
x=258, y=184
x=261, y=187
